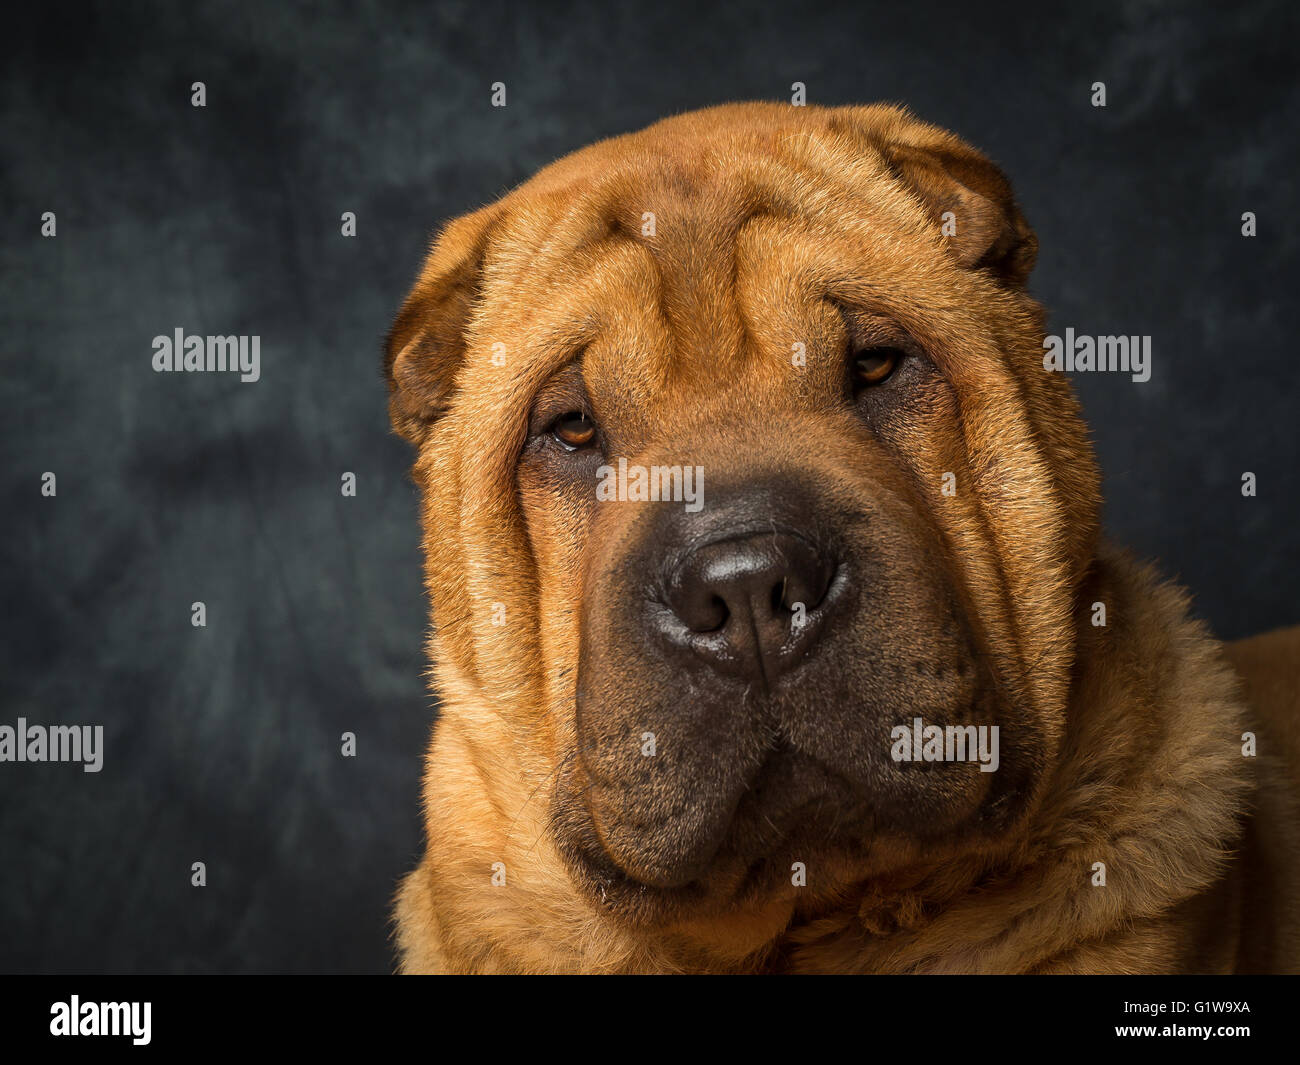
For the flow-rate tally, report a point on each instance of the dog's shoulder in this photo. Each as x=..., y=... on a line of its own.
x=1269, y=668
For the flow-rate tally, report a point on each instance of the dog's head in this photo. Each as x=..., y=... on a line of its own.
x=738, y=458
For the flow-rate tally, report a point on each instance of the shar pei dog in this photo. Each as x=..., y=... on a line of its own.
x=772, y=626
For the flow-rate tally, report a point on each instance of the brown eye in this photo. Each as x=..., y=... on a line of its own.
x=874, y=365
x=574, y=430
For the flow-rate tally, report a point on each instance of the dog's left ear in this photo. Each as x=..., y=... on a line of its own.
x=967, y=196
x=426, y=345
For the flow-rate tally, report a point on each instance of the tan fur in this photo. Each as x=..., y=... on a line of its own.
x=757, y=206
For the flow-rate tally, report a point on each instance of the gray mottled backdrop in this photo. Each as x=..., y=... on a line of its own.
x=222, y=743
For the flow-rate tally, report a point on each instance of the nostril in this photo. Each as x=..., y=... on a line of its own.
x=716, y=617
x=806, y=588
x=700, y=608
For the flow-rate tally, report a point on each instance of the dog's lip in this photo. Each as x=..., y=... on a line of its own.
x=599, y=859
x=642, y=904
x=613, y=883
x=617, y=890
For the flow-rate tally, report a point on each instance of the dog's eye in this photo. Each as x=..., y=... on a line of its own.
x=874, y=365
x=574, y=430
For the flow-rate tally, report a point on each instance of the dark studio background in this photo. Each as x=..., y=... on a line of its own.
x=222, y=743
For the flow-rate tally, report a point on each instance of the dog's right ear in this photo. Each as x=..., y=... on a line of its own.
x=426, y=345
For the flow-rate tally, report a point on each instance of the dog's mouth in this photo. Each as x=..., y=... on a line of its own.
x=802, y=826
x=764, y=848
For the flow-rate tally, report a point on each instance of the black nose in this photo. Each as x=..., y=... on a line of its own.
x=750, y=606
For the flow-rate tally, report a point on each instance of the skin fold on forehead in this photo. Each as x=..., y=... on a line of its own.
x=676, y=258
x=846, y=182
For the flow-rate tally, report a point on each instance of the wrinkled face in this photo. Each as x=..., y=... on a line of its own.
x=747, y=479
x=743, y=665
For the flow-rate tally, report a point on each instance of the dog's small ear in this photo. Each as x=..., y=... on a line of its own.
x=967, y=196
x=426, y=344
x=972, y=202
